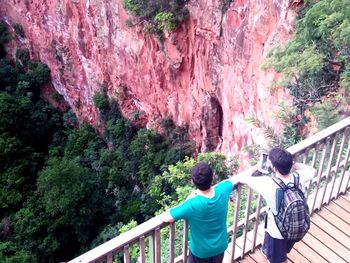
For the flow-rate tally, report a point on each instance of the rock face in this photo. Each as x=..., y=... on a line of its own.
x=205, y=74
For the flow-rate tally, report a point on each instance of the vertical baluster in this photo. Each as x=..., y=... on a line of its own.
x=184, y=245
x=126, y=255
x=151, y=248
x=256, y=223
x=109, y=258
x=335, y=170
x=246, y=221
x=320, y=169
x=142, y=249
x=235, y=222
x=306, y=155
x=313, y=164
x=329, y=167
x=344, y=166
x=172, y=242
x=157, y=245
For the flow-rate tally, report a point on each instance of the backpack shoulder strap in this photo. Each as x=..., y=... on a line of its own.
x=296, y=179
x=280, y=183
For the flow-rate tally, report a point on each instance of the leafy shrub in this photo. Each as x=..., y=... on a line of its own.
x=325, y=114
x=23, y=55
x=19, y=29
x=39, y=73
x=100, y=101
x=4, y=34
x=56, y=96
x=158, y=14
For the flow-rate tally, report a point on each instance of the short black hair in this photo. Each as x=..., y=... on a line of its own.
x=202, y=176
x=282, y=160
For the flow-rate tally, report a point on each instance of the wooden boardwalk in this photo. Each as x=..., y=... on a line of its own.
x=327, y=241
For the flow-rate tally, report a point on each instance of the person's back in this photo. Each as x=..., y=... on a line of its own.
x=206, y=213
x=275, y=246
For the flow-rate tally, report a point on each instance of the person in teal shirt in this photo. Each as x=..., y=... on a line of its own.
x=206, y=212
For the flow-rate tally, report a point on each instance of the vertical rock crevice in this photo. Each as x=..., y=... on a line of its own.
x=211, y=124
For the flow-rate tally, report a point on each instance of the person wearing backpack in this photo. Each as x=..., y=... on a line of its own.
x=288, y=217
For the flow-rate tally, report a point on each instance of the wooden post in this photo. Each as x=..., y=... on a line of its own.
x=185, y=240
x=235, y=221
x=142, y=249
x=171, y=242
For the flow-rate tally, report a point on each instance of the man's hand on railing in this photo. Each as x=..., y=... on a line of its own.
x=240, y=177
x=166, y=217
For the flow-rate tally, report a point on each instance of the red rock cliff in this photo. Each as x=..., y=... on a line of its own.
x=206, y=74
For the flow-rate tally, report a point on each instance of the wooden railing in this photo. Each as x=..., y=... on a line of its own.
x=154, y=241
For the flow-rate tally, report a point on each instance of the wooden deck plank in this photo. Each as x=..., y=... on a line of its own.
x=308, y=252
x=296, y=257
x=322, y=249
x=331, y=230
x=345, y=197
x=258, y=256
x=335, y=220
x=343, y=203
x=338, y=210
x=329, y=241
x=247, y=259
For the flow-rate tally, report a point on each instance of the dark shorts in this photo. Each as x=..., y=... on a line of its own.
x=276, y=250
x=214, y=259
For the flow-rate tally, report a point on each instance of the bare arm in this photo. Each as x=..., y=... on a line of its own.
x=166, y=217
x=240, y=177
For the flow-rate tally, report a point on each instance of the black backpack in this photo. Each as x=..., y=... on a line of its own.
x=293, y=216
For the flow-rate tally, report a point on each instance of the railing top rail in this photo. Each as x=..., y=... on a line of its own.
x=319, y=136
x=120, y=241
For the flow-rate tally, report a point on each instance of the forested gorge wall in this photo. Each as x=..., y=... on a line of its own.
x=205, y=74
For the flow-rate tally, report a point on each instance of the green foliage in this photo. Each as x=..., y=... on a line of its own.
x=157, y=14
x=315, y=62
x=100, y=101
x=18, y=167
x=23, y=56
x=291, y=125
x=4, y=34
x=56, y=96
x=222, y=166
x=11, y=253
x=166, y=20
x=324, y=114
x=269, y=133
x=63, y=196
x=174, y=185
x=39, y=72
x=291, y=130
x=83, y=145
x=18, y=29
x=27, y=125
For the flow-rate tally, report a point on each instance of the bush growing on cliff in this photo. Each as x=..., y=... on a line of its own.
x=19, y=29
x=100, y=100
x=40, y=72
x=23, y=56
x=158, y=15
x=4, y=34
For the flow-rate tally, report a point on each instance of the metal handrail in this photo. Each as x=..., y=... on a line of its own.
x=330, y=153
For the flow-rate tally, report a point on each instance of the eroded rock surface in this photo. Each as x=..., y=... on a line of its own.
x=206, y=74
